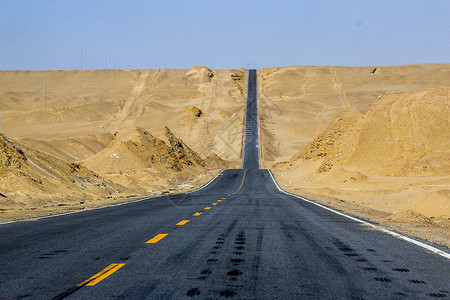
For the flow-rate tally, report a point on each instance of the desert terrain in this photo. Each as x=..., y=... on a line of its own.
x=81, y=139
x=373, y=141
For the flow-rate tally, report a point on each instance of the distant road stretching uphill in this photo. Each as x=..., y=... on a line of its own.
x=238, y=237
x=251, y=153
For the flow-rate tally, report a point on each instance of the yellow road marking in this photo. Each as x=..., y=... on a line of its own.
x=156, y=238
x=242, y=183
x=102, y=275
x=183, y=222
x=199, y=213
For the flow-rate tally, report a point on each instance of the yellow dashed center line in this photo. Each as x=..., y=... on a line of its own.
x=156, y=238
x=183, y=222
x=114, y=267
x=101, y=275
x=215, y=203
x=242, y=183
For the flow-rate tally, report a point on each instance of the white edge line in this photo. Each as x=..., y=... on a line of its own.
x=112, y=205
x=208, y=183
x=258, y=121
x=83, y=210
x=395, y=234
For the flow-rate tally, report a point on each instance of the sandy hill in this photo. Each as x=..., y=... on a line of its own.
x=139, y=160
x=51, y=109
x=297, y=103
x=70, y=148
x=32, y=181
x=395, y=157
x=135, y=163
x=404, y=133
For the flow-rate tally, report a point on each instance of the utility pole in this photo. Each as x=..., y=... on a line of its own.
x=81, y=58
x=0, y=122
x=46, y=95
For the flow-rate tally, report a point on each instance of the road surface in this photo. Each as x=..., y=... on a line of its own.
x=239, y=237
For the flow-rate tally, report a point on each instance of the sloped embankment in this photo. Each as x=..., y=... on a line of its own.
x=140, y=161
x=135, y=163
x=403, y=134
x=390, y=164
x=31, y=180
x=393, y=158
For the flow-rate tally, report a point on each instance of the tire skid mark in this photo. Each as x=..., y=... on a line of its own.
x=308, y=278
x=322, y=254
x=211, y=259
x=181, y=256
x=256, y=262
x=330, y=260
x=383, y=276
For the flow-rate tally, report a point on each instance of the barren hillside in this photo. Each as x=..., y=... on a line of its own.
x=33, y=182
x=100, y=120
x=84, y=108
x=297, y=103
x=138, y=160
x=398, y=150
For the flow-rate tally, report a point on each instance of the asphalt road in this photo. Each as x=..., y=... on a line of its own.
x=251, y=144
x=244, y=240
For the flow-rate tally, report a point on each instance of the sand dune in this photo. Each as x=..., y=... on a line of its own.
x=100, y=102
x=400, y=145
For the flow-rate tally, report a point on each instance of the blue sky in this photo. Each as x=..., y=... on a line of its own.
x=40, y=35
